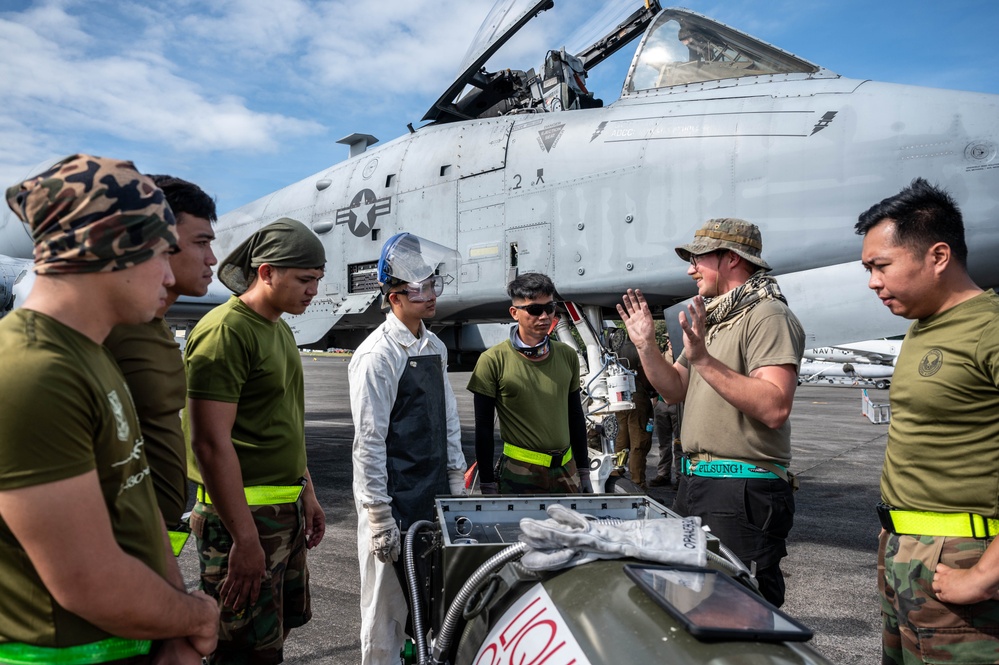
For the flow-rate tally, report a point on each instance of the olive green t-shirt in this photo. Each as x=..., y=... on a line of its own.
x=532, y=398
x=769, y=334
x=153, y=367
x=235, y=355
x=943, y=440
x=67, y=411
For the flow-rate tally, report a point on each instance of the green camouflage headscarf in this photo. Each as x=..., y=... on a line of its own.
x=286, y=243
x=93, y=214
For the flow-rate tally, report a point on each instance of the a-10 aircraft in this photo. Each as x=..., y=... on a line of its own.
x=528, y=172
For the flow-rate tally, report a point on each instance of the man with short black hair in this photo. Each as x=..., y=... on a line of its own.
x=938, y=563
x=84, y=561
x=737, y=376
x=257, y=511
x=151, y=360
x=407, y=438
x=533, y=382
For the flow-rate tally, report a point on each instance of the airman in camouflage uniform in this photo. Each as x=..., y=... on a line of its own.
x=257, y=511
x=532, y=381
x=940, y=512
x=78, y=515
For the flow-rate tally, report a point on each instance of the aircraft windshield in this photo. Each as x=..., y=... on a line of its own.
x=684, y=48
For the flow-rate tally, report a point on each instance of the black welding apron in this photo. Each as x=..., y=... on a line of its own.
x=416, y=444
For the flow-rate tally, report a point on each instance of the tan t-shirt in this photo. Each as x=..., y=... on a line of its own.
x=67, y=411
x=153, y=366
x=770, y=334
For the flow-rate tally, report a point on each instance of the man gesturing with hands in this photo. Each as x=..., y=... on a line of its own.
x=737, y=375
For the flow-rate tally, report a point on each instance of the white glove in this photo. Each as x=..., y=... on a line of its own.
x=667, y=540
x=585, y=486
x=385, y=538
x=456, y=481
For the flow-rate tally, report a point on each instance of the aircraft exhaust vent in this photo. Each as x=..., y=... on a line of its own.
x=362, y=277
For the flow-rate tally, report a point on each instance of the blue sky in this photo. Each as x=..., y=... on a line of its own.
x=246, y=96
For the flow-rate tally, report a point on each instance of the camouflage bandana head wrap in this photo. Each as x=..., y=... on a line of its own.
x=286, y=243
x=92, y=214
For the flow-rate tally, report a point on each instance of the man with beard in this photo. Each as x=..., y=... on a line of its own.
x=737, y=375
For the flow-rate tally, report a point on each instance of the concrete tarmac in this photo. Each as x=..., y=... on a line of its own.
x=830, y=568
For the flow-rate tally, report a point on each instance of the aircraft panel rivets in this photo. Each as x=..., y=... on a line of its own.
x=629, y=266
x=629, y=219
x=581, y=271
x=580, y=226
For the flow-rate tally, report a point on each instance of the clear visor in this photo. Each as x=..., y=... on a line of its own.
x=410, y=258
x=428, y=289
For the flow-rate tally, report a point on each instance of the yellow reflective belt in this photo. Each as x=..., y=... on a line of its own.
x=262, y=495
x=113, y=648
x=534, y=457
x=951, y=525
x=177, y=540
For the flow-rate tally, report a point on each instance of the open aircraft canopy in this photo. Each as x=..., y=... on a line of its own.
x=680, y=48
x=505, y=18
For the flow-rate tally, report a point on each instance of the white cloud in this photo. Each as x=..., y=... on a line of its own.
x=61, y=82
x=392, y=47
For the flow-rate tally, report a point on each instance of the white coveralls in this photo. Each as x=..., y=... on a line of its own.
x=375, y=373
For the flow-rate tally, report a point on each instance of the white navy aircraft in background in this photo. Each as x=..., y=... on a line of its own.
x=871, y=362
x=526, y=171
x=873, y=352
x=853, y=373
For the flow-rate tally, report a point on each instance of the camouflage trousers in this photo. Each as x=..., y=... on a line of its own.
x=918, y=628
x=516, y=477
x=255, y=635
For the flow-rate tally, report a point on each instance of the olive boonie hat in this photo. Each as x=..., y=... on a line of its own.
x=735, y=235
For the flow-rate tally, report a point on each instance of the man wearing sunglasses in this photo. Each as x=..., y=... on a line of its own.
x=737, y=374
x=407, y=438
x=533, y=383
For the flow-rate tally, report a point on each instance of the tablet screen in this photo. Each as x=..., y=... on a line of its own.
x=711, y=605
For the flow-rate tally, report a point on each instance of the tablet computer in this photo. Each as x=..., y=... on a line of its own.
x=713, y=606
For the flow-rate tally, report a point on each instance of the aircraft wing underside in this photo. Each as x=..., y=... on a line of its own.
x=325, y=313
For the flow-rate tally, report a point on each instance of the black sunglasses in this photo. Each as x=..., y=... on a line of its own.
x=537, y=309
